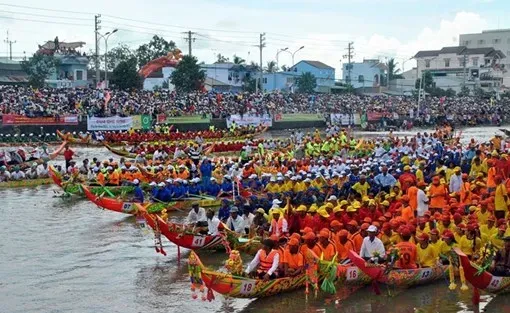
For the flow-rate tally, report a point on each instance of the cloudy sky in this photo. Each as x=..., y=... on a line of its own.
x=378, y=29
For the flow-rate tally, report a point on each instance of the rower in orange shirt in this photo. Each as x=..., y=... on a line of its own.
x=310, y=244
x=357, y=237
x=407, y=211
x=113, y=177
x=343, y=245
x=437, y=195
x=406, y=251
x=100, y=178
x=328, y=248
x=293, y=260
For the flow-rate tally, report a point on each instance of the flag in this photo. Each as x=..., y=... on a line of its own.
x=107, y=98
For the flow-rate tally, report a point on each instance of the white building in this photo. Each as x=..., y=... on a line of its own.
x=483, y=67
x=498, y=39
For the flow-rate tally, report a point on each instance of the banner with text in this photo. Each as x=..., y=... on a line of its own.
x=247, y=119
x=345, y=119
x=14, y=119
x=109, y=123
x=142, y=122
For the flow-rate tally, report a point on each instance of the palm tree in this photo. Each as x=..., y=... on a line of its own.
x=285, y=68
x=254, y=66
x=221, y=58
x=393, y=71
x=271, y=67
x=238, y=60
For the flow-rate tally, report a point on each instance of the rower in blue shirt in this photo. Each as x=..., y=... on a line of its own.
x=226, y=185
x=213, y=189
x=139, y=197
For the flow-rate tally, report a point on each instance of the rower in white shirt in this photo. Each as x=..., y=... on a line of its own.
x=212, y=223
x=197, y=215
x=235, y=222
x=372, y=248
x=42, y=170
x=247, y=219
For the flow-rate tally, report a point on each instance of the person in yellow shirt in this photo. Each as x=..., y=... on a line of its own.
x=500, y=198
x=423, y=226
x=483, y=213
x=427, y=255
x=435, y=243
x=445, y=224
x=470, y=244
x=488, y=230
x=272, y=187
x=447, y=244
x=497, y=239
x=420, y=177
x=362, y=186
x=476, y=167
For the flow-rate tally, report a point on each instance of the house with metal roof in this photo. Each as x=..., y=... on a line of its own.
x=286, y=80
x=454, y=67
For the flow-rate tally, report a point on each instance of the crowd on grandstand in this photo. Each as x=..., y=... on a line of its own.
x=58, y=102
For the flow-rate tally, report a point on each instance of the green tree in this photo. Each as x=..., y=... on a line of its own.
x=38, y=68
x=306, y=83
x=118, y=54
x=464, y=91
x=285, y=68
x=271, y=67
x=188, y=76
x=156, y=48
x=254, y=66
x=393, y=71
x=238, y=60
x=221, y=58
x=428, y=82
x=165, y=84
x=125, y=75
x=249, y=84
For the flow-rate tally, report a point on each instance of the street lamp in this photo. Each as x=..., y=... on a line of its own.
x=300, y=48
x=278, y=52
x=105, y=37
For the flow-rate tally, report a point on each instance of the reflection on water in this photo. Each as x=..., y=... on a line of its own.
x=66, y=255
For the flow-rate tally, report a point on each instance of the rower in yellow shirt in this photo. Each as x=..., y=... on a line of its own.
x=470, y=244
x=427, y=255
x=483, y=214
x=497, y=239
x=435, y=241
x=489, y=229
x=272, y=187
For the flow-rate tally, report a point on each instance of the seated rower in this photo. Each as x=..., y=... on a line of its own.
x=372, y=248
x=406, y=251
x=213, y=223
x=139, y=197
x=327, y=247
x=293, y=260
x=501, y=264
x=235, y=222
x=427, y=255
x=265, y=263
x=196, y=216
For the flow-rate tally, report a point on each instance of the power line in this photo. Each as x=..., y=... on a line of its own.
x=50, y=16
x=40, y=21
x=44, y=9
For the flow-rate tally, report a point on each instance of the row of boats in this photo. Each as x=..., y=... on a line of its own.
x=320, y=274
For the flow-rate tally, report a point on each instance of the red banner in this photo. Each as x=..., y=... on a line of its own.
x=160, y=118
x=13, y=119
x=375, y=116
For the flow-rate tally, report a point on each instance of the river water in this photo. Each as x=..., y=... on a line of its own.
x=66, y=255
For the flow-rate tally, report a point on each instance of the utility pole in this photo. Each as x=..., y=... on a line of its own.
x=9, y=42
x=97, y=27
x=464, y=61
x=261, y=45
x=349, y=56
x=190, y=39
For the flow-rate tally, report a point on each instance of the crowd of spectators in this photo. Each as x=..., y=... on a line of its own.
x=58, y=102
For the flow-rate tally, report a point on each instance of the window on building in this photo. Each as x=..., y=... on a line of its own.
x=496, y=41
x=79, y=75
x=461, y=61
x=475, y=61
x=446, y=62
x=427, y=63
x=264, y=80
x=481, y=42
x=467, y=43
x=361, y=79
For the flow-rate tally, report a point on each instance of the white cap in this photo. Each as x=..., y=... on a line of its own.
x=276, y=201
x=153, y=184
x=161, y=184
x=332, y=198
x=252, y=176
x=372, y=229
x=169, y=181
x=213, y=179
x=136, y=181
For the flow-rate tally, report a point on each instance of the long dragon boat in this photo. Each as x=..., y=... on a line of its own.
x=25, y=183
x=482, y=279
x=185, y=237
x=87, y=140
x=401, y=278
